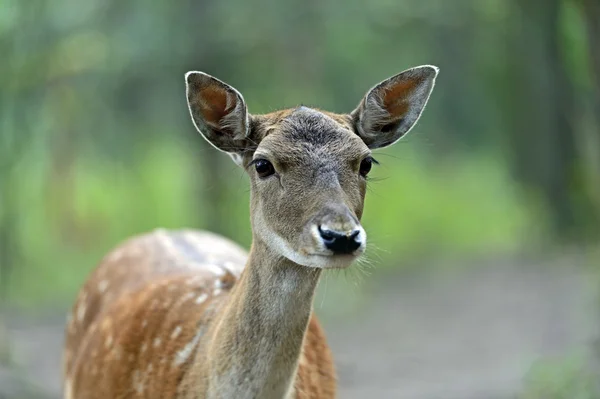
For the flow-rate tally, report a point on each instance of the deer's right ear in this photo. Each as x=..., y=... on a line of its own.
x=218, y=112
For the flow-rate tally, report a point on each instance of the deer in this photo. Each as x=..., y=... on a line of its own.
x=190, y=314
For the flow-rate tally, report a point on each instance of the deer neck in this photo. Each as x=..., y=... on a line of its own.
x=258, y=339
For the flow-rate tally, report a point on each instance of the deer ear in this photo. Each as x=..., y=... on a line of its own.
x=391, y=108
x=218, y=112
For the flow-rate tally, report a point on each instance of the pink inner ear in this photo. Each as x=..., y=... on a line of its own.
x=396, y=99
x=213, y=104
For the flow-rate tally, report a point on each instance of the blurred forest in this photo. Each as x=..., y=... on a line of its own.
x=96, y=143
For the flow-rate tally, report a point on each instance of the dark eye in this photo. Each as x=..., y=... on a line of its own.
x=365, y=166
x=264, y=168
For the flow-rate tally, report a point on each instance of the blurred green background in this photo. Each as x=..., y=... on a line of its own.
x=96, y=143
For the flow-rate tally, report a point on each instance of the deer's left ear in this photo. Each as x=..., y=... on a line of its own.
x=391, y=108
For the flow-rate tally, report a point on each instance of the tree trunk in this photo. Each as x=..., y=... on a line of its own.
x=543, y=141
x=591, y=14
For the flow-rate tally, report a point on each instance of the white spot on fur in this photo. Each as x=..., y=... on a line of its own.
x=176, y=332
x=68, y=389
x=144, y=347
x=138, y=382
x=187, y=296
x=116, y=255
x=157, y=342
x=108, y=342
x=184, y=354
x=81, y=311
x=144, y=323
x=102, y=285
x=217, y=291
x=231, y=267
x=213, y=268
x=201, y=298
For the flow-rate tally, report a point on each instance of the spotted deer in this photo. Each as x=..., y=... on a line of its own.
x=187, y=314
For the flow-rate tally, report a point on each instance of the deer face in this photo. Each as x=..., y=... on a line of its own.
x=308, y=168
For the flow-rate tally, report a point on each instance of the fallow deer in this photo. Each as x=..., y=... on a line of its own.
x=187, y=314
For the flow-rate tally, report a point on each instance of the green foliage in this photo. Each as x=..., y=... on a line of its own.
x=562, y=378
x=461, y=207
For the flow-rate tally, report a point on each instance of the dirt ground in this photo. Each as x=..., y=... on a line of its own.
x=471, y=334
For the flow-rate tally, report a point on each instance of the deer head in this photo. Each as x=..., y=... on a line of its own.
x=307, y=167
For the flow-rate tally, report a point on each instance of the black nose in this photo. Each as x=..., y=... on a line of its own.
x=340, y=243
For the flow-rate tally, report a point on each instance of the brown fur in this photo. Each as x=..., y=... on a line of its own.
x=316, y=375
x=187, y=314
x=152, y=290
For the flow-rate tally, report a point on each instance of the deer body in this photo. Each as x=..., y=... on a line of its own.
x=188, y=314
x=148, y=319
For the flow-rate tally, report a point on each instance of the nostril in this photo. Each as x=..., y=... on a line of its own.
x=340, y=243
x=328, y=236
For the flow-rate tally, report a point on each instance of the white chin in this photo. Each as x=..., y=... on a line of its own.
x=324, y=261
x=328, y=261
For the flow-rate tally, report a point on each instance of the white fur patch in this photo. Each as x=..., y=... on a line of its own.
x=116, y=255
x=184, y=354
x=68, y=389
x=81, y=311
x=138, y=382
x=103, y=285
x=200, y=299
x=176, y=332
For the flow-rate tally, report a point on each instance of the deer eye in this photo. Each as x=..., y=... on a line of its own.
x=264, y=168
x=365, y=166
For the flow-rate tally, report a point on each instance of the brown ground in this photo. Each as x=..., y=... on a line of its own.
x=472, y=334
